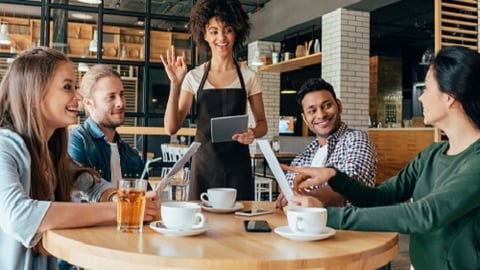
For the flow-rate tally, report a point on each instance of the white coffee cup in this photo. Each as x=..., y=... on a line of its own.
x=274, y=57
x=181, y=215
x=219, y=197
x=307, y=220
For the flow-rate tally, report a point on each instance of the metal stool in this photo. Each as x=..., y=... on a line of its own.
x=263, y=185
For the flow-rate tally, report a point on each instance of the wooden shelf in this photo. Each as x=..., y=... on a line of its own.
x=119, y=43
x=294, y=64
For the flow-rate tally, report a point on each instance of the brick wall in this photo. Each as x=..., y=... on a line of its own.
x=271, y=87
x=345, y=62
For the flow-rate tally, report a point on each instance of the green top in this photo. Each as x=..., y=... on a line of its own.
x=444, y=217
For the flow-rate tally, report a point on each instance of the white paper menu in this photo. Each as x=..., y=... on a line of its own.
x=178, y=165
x=275, y=167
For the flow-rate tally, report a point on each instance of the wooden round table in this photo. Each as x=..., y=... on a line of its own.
x=225, y=245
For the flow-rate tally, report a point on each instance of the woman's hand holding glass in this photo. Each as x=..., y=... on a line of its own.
x=152, y=207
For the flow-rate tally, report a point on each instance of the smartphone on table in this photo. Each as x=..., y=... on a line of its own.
x=253, y=212
x=256, y=226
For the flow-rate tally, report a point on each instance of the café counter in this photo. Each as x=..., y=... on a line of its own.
x=397, y=146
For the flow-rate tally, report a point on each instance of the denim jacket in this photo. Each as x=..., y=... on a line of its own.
x=89, y=146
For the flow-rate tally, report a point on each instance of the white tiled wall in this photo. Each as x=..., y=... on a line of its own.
x=264, y=47
x=345, y=62
x=271, y=101
x=271, y=87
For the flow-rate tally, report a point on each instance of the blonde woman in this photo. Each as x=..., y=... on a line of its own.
x=38, y=101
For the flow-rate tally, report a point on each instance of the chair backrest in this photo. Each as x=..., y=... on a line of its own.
x=165, y=171
x=165, y=156
x=173, y=152
x=186, y=172
x=186, y=175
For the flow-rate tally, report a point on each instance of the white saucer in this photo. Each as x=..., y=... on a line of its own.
x=237, y=206
x=159, y=227
x=287, y=233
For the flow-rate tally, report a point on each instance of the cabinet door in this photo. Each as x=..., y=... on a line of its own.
x=182, y=41
x=159, y=44
x=111, y=42
x=19, y=32
x=132, y=42
x=79, y=37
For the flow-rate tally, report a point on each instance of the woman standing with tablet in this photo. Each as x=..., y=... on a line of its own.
x=221, y=87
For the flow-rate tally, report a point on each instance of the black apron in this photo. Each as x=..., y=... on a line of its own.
x=225, y=164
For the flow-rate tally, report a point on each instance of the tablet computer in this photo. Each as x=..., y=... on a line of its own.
x=275, y=167
x=223, y=128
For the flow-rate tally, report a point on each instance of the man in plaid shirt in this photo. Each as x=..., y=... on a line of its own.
x=349, y=150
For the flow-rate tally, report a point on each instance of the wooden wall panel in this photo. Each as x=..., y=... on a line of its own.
x=396, y=147
x=456, y=23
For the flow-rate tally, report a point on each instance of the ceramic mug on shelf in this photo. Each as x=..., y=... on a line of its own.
x=274, y=57
x=287, y=56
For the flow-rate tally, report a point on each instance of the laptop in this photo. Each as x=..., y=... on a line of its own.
x=275, y=167
x=223, y=128
x=178, y=165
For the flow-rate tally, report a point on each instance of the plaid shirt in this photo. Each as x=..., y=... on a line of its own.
x=350, y=151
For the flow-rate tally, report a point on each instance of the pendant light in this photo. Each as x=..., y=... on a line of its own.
x=288, y=88
x=96, y=2
x=256, y=58
x=4, y=36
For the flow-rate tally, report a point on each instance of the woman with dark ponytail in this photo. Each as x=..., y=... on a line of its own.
x=443, y=180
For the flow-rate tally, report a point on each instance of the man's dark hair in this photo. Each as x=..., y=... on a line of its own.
x=312, y=85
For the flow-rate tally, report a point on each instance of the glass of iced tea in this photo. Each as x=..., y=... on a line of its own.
x=131, y=196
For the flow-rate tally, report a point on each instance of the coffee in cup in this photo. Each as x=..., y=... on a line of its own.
x=219, y=197
x=307, y=220
x=181, y=215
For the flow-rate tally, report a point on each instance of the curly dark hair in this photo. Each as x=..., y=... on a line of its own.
x=230, y=12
